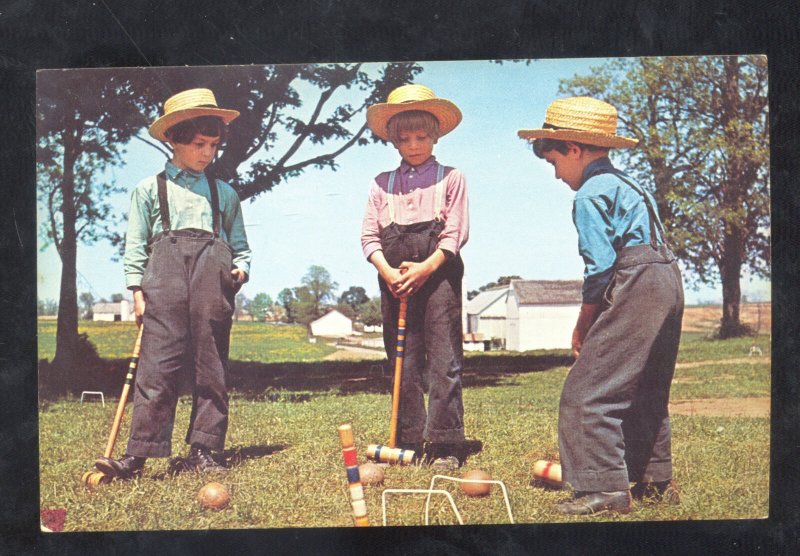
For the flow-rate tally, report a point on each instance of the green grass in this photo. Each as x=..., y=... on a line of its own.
x=250, y=341
x=291, y=473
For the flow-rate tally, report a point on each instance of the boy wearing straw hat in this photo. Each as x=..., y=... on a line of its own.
x=613, y=425
x=186, y=255
x=414, y=226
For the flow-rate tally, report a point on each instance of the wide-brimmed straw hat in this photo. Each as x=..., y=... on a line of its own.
x=582, y=120
x=412, y=97
x=187, y=105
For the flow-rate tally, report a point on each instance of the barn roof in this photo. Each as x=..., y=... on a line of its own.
x=548, y=292
x=106, y=308
x=483, y=300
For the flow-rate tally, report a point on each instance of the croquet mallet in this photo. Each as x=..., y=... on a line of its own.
x=390, y=453
x=95, y=477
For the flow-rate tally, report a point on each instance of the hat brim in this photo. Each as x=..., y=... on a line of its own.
x=446, y=112
x=166, y=121
x=586, y=137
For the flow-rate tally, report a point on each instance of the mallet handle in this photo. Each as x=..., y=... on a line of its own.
x=123, y=398
x=398, y=370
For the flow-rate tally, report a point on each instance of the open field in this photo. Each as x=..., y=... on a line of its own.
x=286, y=463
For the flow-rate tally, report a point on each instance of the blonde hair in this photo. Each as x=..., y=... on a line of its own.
x=412, y=120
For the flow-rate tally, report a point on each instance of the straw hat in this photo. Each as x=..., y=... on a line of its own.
x=412, y=97
x=187, y=105
x=583, y=120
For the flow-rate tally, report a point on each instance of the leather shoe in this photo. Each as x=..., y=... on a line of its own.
x=127, y=467
x=593, y=503
x=200, y=460
x=657, y=491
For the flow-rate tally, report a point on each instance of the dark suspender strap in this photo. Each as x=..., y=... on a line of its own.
x=163, y=206
x=655, y=222
x=212, y=186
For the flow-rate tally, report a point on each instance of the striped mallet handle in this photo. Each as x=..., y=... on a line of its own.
x=123, y=398
x=353, y=478
x=398, y=370
x=390, y=455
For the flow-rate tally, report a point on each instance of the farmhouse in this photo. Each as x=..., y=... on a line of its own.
x=541, y=314
x=333, y=324
x=486, y=314
x=113, y=312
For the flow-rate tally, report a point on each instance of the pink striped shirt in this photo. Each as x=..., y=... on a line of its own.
x=414, y=200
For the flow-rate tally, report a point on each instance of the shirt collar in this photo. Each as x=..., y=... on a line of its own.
x=174, y=173
x=599, y=166
x=405, y=167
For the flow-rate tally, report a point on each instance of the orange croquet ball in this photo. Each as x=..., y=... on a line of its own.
x=371, y=474
x=214, y=496
x=476, y=489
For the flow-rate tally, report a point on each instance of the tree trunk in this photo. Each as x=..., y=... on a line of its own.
x=67, y=326
x=730, y=273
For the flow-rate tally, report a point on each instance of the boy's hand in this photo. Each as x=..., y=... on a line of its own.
x=414, y=276
x=588, y=314
x=138, y=305
x=393, y=278
x=239, y=277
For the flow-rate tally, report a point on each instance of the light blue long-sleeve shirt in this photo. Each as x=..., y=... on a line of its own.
x=608, y=215
x=189, y=200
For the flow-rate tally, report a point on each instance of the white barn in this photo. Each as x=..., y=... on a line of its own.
x=113, y=312
x=333, y=324
x=486, y=313
x=541, y=314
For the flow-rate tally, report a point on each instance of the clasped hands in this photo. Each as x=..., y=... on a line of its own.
x=407, y=280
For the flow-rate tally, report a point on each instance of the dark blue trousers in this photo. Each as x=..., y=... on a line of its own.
x=613, y=425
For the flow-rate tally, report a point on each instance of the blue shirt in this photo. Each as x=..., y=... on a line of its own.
x=609, y=214
x=189, y=199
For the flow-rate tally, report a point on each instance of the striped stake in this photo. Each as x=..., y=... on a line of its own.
x=353, y=478
x=378, y=452
x=398, y=370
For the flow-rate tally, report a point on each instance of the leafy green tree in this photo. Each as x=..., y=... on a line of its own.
x=117, y=297
x=371, y=312
x=321, y=288
x=260, y=306
x=703, y=129
x=286, y=299
x=305, y=307
x=87, y=303
x=354, y=297
x=502, y=281
x=46, y=307
x=241, y=302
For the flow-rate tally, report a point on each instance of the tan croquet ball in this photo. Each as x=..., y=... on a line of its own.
x=476, y=489
x=214, y=496
x=371, y=474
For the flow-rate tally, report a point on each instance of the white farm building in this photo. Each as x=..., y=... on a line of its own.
x=541, y=314
x=113, y=312
x=486, y=314
x=333, y=324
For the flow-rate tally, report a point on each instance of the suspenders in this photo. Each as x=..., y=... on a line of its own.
x=161, y=179
x=438, y=199
x=655, y=221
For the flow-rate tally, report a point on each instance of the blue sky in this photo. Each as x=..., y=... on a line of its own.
x=520, y=215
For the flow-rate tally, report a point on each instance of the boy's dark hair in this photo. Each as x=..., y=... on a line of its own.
x=545, y=145
x=412, y=120
x=210, y=126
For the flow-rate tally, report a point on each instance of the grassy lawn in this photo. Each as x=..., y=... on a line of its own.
x=287, y=468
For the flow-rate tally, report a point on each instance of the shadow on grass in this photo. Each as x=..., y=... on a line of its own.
x=297, y=381
x=227, y=458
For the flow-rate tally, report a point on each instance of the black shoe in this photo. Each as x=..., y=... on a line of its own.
x=446, y=456
x=657, y=491
x=127, y=467
x=200, y=460
x=593, y=503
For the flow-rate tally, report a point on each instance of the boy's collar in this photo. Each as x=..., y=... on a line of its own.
x=595, y=167
x=174, y=172
x=405, y=167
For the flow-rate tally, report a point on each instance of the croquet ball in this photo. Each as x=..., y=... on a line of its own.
x=214, y=496
x=548, y=473
x=370, y=473
x=476, y=489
